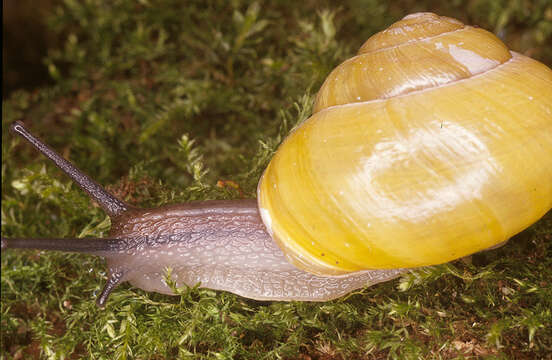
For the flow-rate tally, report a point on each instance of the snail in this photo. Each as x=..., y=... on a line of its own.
x=432, y=143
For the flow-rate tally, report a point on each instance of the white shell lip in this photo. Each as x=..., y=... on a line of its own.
x=265, y=214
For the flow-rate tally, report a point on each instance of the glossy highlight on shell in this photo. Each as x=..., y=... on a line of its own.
x=434, y=142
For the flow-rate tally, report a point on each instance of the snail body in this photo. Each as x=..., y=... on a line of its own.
x=223, y=245
x=422, y=149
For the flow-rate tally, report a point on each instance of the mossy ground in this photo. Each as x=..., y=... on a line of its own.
x=174, y=101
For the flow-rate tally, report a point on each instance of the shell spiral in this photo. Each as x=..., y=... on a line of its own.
x=432, y=143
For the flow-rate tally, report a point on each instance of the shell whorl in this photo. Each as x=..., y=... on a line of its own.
x=421, y=51
x=424, y=148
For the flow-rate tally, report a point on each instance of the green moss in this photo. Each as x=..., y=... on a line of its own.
x=161, y=100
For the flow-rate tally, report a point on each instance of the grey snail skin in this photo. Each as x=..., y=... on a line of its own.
x=222, y=245
x=431, y=144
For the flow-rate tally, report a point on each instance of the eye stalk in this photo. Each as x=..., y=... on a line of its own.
x=111, y=205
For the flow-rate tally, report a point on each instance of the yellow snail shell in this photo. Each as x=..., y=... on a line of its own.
x=434, y=142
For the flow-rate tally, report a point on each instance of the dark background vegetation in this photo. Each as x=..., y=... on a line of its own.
x=167, y=101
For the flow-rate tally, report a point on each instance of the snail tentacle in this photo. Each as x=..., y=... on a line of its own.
x=112, y=205
x=114, y=278
x=94, y=246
